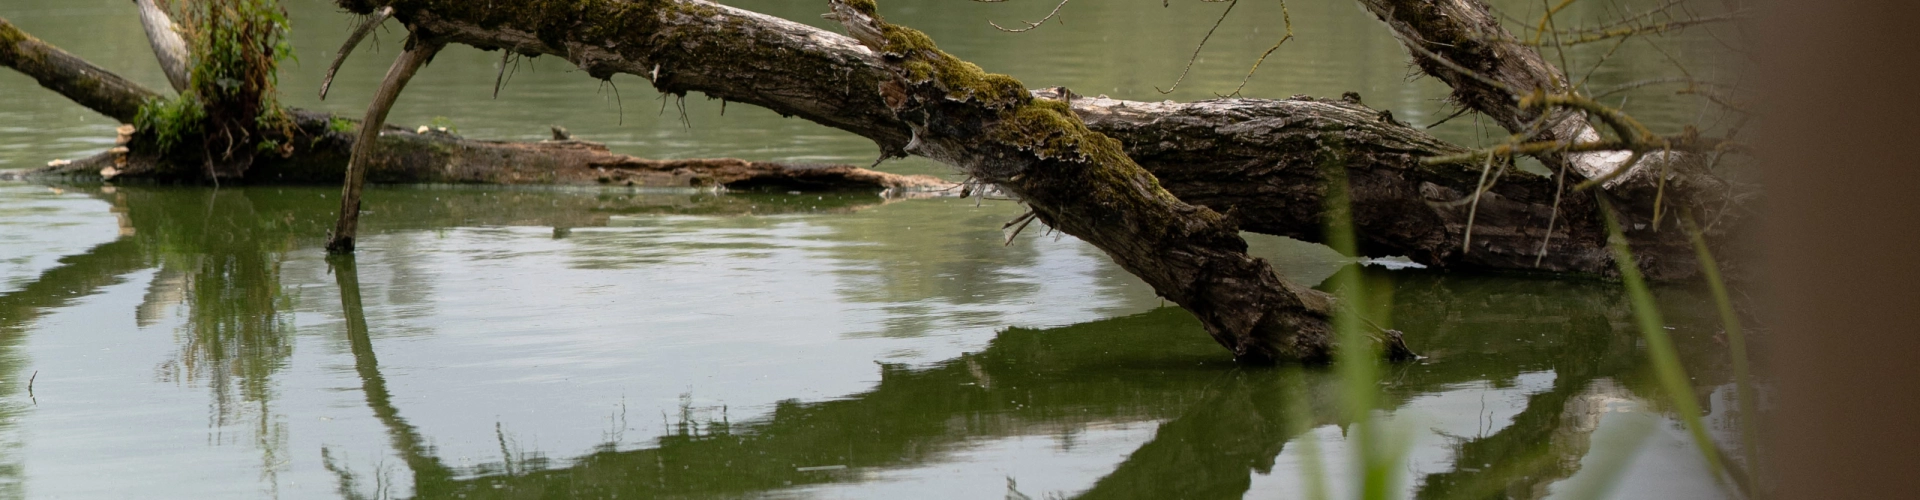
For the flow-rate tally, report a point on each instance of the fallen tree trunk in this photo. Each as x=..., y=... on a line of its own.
x=737, y=55
x=1255, y=159
x=1462, y=43
x=1448, y=36
x=1400, y=205
x=323, y=143
x=1083, y=184
x=319, y=146
x=97, y=89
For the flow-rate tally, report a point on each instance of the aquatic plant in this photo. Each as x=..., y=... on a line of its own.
x=231, y=100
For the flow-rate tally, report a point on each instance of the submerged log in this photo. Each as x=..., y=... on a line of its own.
x=323, y=143
x=319, y=145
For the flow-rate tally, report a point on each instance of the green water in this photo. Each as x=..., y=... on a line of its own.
x=186, y=342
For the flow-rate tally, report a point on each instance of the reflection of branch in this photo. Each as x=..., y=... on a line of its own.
x=427, y=469
x=77, y=276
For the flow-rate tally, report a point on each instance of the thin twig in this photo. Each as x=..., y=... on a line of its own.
x=1286, y=19
x=501, y=78
x=1196, y=49
x=1479, y=188
x=1030, y=24
x=1022, y=221
x=353, y=40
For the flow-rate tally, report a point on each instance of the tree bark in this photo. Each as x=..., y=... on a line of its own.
x=1447, y=36
x=416, y=55
x=321, y=144
x=1083, y=184
x=1254, y=159
x=1443, y=34
x=79, y=80
x=167, y=44
x=1232, y=155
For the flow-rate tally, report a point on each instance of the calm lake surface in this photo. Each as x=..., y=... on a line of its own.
x=190, y=342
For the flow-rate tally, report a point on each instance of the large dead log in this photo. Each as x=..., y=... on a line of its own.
x=1255, y=159
x=1270, y=151
x=1083, y=184
x=1462, y=43
x=1232, y=155
x=79, y=80
x=323, y=142
x=319, y=145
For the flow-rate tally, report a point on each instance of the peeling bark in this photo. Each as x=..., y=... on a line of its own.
x=167, y=44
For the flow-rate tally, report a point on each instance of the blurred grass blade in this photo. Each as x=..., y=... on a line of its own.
x=1666, y=359
x=1358, y=357
x=1737, y=343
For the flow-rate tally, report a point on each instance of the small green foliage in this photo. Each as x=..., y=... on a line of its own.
x=171, y=120
x=340, y=125
x=238, y=46
x=904, y=41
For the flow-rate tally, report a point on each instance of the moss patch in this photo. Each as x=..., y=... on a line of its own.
x=172, y=121
x=962, y=80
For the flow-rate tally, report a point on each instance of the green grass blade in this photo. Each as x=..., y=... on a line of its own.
x=1737, y=343
x=1357, y=357
x=1666, y=358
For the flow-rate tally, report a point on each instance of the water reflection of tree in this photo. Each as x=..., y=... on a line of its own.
x=219, y=257
x=75, y=277
x=427, y=469
x=1223, y=424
